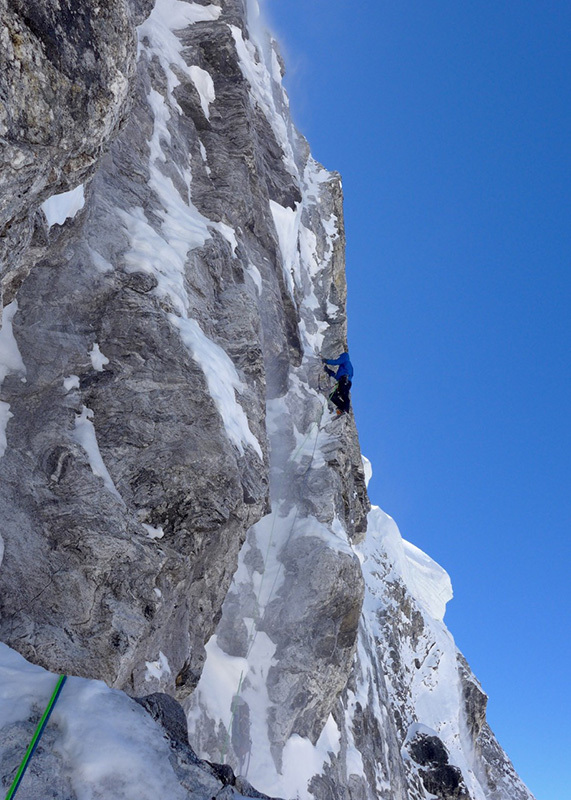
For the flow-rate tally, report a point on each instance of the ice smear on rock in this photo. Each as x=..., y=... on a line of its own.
x=286, y=221
x=234, y=690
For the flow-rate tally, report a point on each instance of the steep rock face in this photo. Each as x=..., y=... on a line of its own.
x=171, y=476
x=164, y=409
x=152, y=327
x=411, y=721
x=66, y=67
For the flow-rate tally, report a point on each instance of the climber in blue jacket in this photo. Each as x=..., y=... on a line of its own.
x=344, y=376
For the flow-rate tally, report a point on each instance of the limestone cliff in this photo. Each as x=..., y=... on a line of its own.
x=180, y=513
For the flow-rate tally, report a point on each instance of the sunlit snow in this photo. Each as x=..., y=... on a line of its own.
x=204, y=86
x=10, y=358
x=71, y=382
x=157, y=33
x=153, y=533
x=157, y=669
x=110, y=746
x=222, y=379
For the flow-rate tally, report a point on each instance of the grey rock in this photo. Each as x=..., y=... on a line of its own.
x=438, y=776
x=401, y=651
x=315, y=624
x=85, y=567
x=65, y=71
x=475, y=699
x=190, y=769
x=125, y=573
x=495, y=770
x=170, y=715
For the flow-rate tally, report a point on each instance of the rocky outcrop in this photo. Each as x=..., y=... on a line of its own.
x=411, y=719
x=191, y=771
x=66, y=68
x=118, y=569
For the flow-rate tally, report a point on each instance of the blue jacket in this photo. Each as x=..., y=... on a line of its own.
x=344, y=363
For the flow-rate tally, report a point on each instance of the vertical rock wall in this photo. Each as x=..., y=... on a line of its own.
x=180, y=513
x=153, y=325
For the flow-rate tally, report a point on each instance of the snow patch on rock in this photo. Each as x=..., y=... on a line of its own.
x=60, y=207
x=253, y=55
x=204, y=86
x=222, y=379
x=71, y=382
x=153, y=533
x=157, y=669
x=98, y=359
x=84, y=434
x=157, y=34
x=10, y=357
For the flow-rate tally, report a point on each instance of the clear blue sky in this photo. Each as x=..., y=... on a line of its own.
x=450, y=122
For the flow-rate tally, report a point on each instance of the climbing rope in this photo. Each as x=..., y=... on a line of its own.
x=36, y=737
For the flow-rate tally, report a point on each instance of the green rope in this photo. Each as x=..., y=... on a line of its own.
x=36, y=737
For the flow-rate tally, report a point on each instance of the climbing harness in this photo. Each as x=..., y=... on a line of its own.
x=330, y=392
x=36, y=737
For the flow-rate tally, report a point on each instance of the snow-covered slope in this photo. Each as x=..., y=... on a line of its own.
x=99, y=742
x=181, y=516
